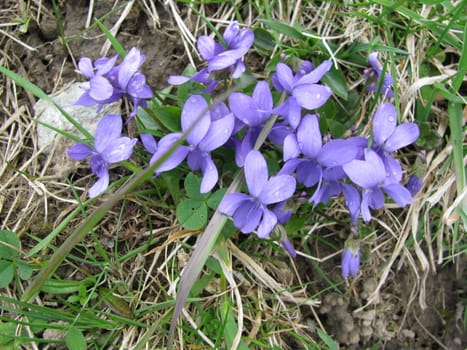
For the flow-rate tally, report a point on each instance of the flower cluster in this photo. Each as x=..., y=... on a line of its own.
x=108, y=83
x=360, y=168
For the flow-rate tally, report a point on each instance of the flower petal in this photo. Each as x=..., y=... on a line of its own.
x=79, y=151
x=278, y=189
x=206, y=47
x=101, y=89
x=309, y=173
x=316, y=74
x=218, y=133
x=85, y=67
x=210, y=175
x=352, y=200
x=268, y=221
x=100, y=186
x=118, y=150
x=149, y=142
x=309, y=136
x=108, y=129
x=338, y=152
x=244, y=108
x=399, y=194
x=191, y=114
x=247, y=216
x=129, y=66
x=404, y=135
x=311, y=96
x=256, y=172
x=284, y=76
x=263, y=98
x=291, y=149
x=384, y=123
x=232, y=201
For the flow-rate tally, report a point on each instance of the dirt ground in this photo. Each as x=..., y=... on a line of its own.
x=394, y=318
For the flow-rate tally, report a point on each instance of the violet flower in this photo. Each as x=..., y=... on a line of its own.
x=210, y=131
x=386, y=88
x=249, y=211
x=109, y=148
x=388, y=137
x=414, y=185
x=101, y=91
x=303, y=89
x=370, y=174
x=350, y=262
x=109, y=82
x=220, y=57
x=317, y=157
x=253, y=112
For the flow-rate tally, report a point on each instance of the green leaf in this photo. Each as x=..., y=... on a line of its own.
x=75, y=340
x=285, y=29
x=9, y=244
x=167, y=116
x=192, y=187
x=7, y=273
x=214, y=200
x=117, y=304
x=264, y=40
x=7, y=334
x=113, y=40
x=192, y=214
x=335, y=79
x=328, y=340
x=24, y=270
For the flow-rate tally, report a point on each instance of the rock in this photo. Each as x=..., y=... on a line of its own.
x=53, y=144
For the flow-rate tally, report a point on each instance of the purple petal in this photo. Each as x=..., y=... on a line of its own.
x=278, y=189
x=118, y=150
x=239, y=69
x=363, y=173
x=247, y=216
x=352, y=200
x=219, y=111
x=263, y=98
x=288, y=247
x=405, y=134
x=399, y=194
x=137, y=87
x=178, y=79
x=98, y=165
x=256, y=172
x=393, y=169
x=309, y=136
x=206, y=47
x=268, y=221
x=384, y=123
x=291, y=149
x=350, y=263
x=85, y=67
x=218, y=133
x=223, y=60
x=230, y=32
x=315, y=75
x=191, y=113
x=290, y=166
x=129, y=66
x=246, y=145
x=364, y=207
x=309, y=173
x=104, y=65
x=175, y=158
x=101, y=89
x=108, y=129
x=149, y=142
x=232, y=201
x=244, y=108
x=284, y=76
x=338, y=152
x=210, y=175
x=100, y=186
x=242, y=42
x=79, y=151
x=414, y=184
x=376, y=198
x=373, y=60
x=85, y=100
x=311, y=96
x=294, y=113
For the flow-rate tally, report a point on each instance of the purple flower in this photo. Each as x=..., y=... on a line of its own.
x=101, y=91
x=370, y=174
x=303, y=89
x=109, y=148
x=220, y=57
x=386, y=88
x=414, y=184
x=131, y=81
x=253, y=112
x=249, y=211
x=109, y=82
x=350, y=261
x=317, y=157
x=388, y=137
x=209, y=132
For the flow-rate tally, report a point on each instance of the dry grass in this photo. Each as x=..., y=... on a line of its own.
x=34, y=201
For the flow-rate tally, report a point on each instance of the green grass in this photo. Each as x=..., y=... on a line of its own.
x=94, y=281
